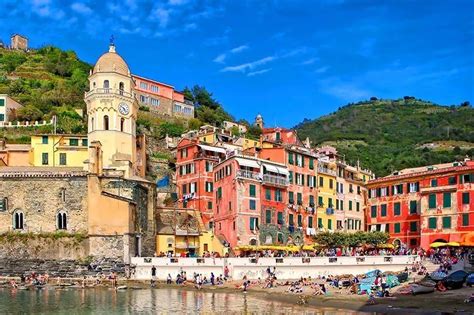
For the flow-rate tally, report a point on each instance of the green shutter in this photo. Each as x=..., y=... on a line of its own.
x=465, y=198
x=62, y=159
x=290, y=219
x=452, y=180
x=310, y=222
x=397, y=228
x=44, y=159
x=44, y=139
x=373, y=211
x=432, y=223
x=396, y=208
x=291, y=197
x=320, y=223
x=383, y=210
x=329, y=224
x=2, y=102
x=280, y=218
x=252, y=223
x=321, y=181
x=209, y=205
x=465, y=219
x=84, y=142
x=302, y=161
x=311, y=163
x=268, y=216
x=252, y=191
x=413, y=206
x=311, y=200
x=413, y=226
x=300, y=220
x=268, y=194
x=446, y=200
x=434, y=183
x=446, y=222
x=342, y=205
x=320, y=201
x=299, y=198
x=290, y=177
x=357, y=206
x=350, y=204
x=432, y=201
x=73, y=142
x=290, y=158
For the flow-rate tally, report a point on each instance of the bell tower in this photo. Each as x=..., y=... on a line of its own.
x=112, y=114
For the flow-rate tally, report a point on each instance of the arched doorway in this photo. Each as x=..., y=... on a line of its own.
x=253, y=242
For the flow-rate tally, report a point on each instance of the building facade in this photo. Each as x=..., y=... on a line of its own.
x=421, y=205
x=19, y=42
x=59, y=150
x=162, y=98
x=8, y=108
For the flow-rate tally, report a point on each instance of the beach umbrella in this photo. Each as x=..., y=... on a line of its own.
x=437, y=244
x=388, y=246
x=453, y=244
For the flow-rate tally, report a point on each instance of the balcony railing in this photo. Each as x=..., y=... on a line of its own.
x=249, y=174
x=109, y=91
x=275, y=180
x=327, y=171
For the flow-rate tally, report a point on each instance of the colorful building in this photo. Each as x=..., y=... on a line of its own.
x=8, y=108
x=421, y=205
x=326, y=183
x=162, y=98
x=59, y=150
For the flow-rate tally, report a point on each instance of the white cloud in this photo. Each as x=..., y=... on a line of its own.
x=249, y=65
x=239, y=49
x=254, y=73
x=162, y=15
x=190, y=26
x=220, y=58
x=178, y=2
x=81, y=8
x=347, y=91
x=309, y=61
x=322, y=69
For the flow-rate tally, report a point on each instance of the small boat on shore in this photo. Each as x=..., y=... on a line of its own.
x=122, y=287
x=421, y=289
x=455, y=280
x=470, y=280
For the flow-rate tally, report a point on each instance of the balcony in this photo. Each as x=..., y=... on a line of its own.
x=249, y=175
x=329, y=211
x=275, y=180
x=201, y=155
x=102, y=91
x=326, y=171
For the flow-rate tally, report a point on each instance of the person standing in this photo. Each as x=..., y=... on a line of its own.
x=153, y=276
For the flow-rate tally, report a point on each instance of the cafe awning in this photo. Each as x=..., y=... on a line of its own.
x=211, y=148
x=276, y=169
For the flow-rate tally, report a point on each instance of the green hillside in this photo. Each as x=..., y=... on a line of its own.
x=388, y=135
x=47, y=81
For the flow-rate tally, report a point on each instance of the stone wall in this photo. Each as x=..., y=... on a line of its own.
x=40, y=199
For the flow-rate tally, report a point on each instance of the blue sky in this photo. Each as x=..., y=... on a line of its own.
x=287, y=60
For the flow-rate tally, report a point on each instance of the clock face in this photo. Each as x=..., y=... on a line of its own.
x=124, y=109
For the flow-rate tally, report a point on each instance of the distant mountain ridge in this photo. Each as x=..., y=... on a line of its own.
x=389, y=135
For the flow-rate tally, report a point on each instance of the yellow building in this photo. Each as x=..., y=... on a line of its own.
x=59, y=150
x=326, y=181
x=181, y=231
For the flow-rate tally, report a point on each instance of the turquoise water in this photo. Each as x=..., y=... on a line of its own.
x=144, y=301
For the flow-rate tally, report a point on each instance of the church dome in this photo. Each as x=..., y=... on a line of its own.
x=111, y=62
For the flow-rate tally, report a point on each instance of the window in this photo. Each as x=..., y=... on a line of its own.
x=434, y=183
x=372, y=193
x=154, y=101
x=310, y=222
x=253, y=223
x=106, y=84
x=219, y=193
x=300, y=220
x=252, y=190
x=208, y=166
x=452, y=180
x=465, y=198
x=290, y=158
x=144, y=85
x=299, y=198
x=2, y=102
x=3, y=204
x=44, y=159
x=446, y=200
x=44, y=139
x=358, y=190
x=106, y=122
x=320, y=223
x=280, y=218
x=383, y=192
x=277, y=136
x=383, y=210
x=291, y=197
x=331, y=184
x=321, y=181
x=122, y=124
x=62, y=159
x=396, y=208
x=329, y=224
x=268, y=194
x=311, y=200
x=413, y=226
x=92, y=124
x=278, y=195
x=373, y=211
x=73, y=142
x=121, y=88
x=432, y=223
x=18, y=220
x=350, y=205
x=413, y=187
x=252, y=204
x=209, y=186
x=341, y=205
x=320, y=201
x=84, y=142
x=396, y=228
x=465, y=219
x=290, y=220
x=357, y=206
x=209, y=205
x=446, y=222
x=155, y=88
x=290, y=177
x=351, y=190
x=330, y=204
x=268, y=216
x=413, y=207
x=432, y=201
x=61, y=220
x=311, y=163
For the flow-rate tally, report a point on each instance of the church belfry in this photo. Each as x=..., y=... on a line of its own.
x=112, y=114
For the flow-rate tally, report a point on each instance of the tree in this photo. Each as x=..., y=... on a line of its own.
x=29, y=113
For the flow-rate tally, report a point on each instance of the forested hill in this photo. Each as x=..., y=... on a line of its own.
x=389, y=135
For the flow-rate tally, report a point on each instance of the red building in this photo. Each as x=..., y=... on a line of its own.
x=194, y=176
x=421, y=205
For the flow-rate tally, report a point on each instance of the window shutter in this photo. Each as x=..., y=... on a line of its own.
x=432, y=201
x=446, y=200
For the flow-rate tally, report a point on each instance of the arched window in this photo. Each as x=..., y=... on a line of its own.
x=122, y=124
x=18, y=220
x=106, y=84
x=61, y=220
x=106, y=122
x=92, y=124
x=121, y=88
